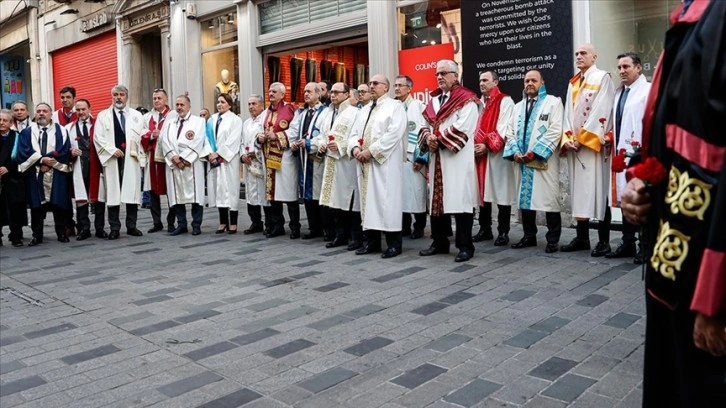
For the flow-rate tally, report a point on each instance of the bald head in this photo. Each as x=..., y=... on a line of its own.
x=585, y=56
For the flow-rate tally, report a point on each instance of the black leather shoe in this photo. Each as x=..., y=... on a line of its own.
x=179, y=230
x=196, y=231
x=417, y=233
x=134, y=232
x=601, y=249
x=101, y=234
x=483, y=235
x=433, y=250
x=622, y=251
x=336, y=243
x=391, y=252
x=354, y=245
x=550, y=248
x=252, y=229
x=156, y=228
x=638, y=259
x=113, y=235
x=295, y=234
x=17, y=243
x=221, y=231
x=310, y=235
x=84, y=234
x=463, y=256
x=170, y=228
x=368, y=249
x=576, y=245
x=502, y=239
x=328, y=237
x=525, y=242
x=35, y=241
x=63, y=238
x=275, y=233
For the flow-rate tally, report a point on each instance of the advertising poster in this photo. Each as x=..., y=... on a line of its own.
x=420, y=65
x=12, y=72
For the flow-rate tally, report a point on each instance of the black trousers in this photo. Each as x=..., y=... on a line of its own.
x=99, y=216
x=84, y=222
x=37, y=217
x=360, y=76
x=554, y=225
x=503, y=218
x=418, y=225
x=273, y=67
x=114, y=216
x=255, y=213
x=311, y=70
x=328, y=220
x=441, y=225
x=603, y=227
x=339, y=72
x=228, y=217
x=315, y=219
x=347, y=225
x=393, y=239
x=155, y=209
x=296, y=65
x=277, y=219
x=326, y=70
x=197, y=214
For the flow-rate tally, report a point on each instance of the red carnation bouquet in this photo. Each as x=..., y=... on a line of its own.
x=651, y=171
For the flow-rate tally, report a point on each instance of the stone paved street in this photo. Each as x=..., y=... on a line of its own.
x=235, y=320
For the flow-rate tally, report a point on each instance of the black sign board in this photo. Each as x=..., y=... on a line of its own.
x=514, y=36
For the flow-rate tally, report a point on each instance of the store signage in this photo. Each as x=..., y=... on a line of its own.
x=153, y=16
x=420, y=65
x=514, y=36
x=99, y=20
x=12, y=75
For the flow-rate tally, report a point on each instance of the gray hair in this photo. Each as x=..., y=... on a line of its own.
x=189, y=101
x=409, y=81
x=6, y=112
x=259, y=98
x=120, y=88
x=50, y=108
x=317, y=88
x=451, y=66
x=20, y=102
x=279, y=85
x=355, y=93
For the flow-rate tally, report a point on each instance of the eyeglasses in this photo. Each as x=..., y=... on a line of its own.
x=160, y=90
x=400, y=85
x=337, y=92
x=443, y=73
x=362, y=92
x=374, y=83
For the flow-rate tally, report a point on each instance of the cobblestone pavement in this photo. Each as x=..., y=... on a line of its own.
x=235, y=320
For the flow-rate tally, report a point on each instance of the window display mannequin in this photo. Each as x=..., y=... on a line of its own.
x=227, y=86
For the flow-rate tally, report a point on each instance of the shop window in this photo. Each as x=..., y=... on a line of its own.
x=276, y=15
x=629, y=25
x=220, y=63
x=219, y=30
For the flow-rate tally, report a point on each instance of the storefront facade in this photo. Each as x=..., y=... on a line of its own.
x=19, y=56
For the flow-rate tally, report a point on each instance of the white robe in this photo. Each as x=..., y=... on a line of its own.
x=589, y=184
x=414, y=182
x=631, y=126
x=223, y=181
x=56, y=114
x=129, y=190
x=500, y=183
x=538, y=189
x=79, y=187
x=185, y=186
x=158, y=155
x=310, y=136
x=379, y=180
x=286, y=179
x=340, y=176
x=255, y=173
x=458, y=170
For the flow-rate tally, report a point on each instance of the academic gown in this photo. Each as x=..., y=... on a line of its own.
x=185, y=186
x=81, y=164
x=255, y=172
x=121, y=185
x=280, y=163
x=340, y=176
x=60, y=118
x=53, y=185
x=310, y=167
x=155, y=171
x=12, y=185
x=414, y=181
x=223, y=180
x=500, y=183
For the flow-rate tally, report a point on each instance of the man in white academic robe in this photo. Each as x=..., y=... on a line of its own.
x=414, y=168
x=379, y=149
x=537, y=130
x=497, y=184
x=628, y=111
x=451, y=115
x=587, y=141
x=67, y=113
x=306, y=126
x=339, y=190
x=117, y=138
x=184, y=143
x=254, y=164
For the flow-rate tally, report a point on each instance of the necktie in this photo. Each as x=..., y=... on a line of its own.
x=619, y=113
x=442, y=100
x=530, y=105
x=122, y=119
x=335, y=112
x=306, y=122
x=85, y=130
x=181, y=125
x=44, y=142
x=216, y=128
x=373, y=106
x=160, y=118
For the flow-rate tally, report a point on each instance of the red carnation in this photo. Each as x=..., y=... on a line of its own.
x=331, y=138
x=55, y=153
x=360, y=142
x=650, y=171
x=635, y=144
x=123, y=146
x=569, y=133
x=602, y=120
x=247, y=148
x=619, y=165
x=78, y=138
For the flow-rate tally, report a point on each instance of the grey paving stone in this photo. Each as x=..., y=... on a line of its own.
x=457, y=297
x=332, y=286
x=518, y=295
x=592, y=300
x=20, y=385
x=103, y=293
x=97, y=281
x=146, y=251
x=550, y=324
x=368, y=345
x=250, y=338
x=328, y=322
x=217, y=262
x=462, y=268
x=365, y=310
x=269, y=304
x=233, y=400
x=419, y=375
x=289, y=348
x=553, y=368
x=240, y=298
x=211, y=350
x=10, y=366
x=429, y=308
x=306, y=275
x=90, y=354
x=148, y=301
x=153, y=328
x=327, y=379
x=568, y=388
x=246, y=251
x=622, y=320
x=398, y=274
x=197, y=316
x=472, y=393
x=526, y=338
x=507, y=261
x=150, y=279
x=118, y=321
x=448, y=342
x=276, y=282
x=164, y=291
x=308, y=263
x=195, y=284
x=50, y=330
x=185, y=385
x=6, y=341
x=204, y=243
